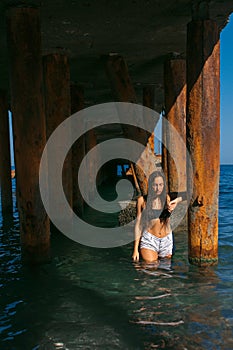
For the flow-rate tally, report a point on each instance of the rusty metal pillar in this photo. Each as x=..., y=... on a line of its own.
x=118, y=74
x=149, y=101
x=57, y=107
x=78, y=149
x=175, y=107
x=203, y=139
x=90, y=142
x=164, y=149
x=123, y=91
x=26, y=80
x=5, y=157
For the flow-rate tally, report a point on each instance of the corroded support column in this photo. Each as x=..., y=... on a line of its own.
x=78, y=149
x=24, y=43
x=5, y=158
x=164, y=149
x=149, y=101
x=123, y=91
x=57, y=108
x=203, y=117
x=90, y=142
x=118, y=74
x=175, y=107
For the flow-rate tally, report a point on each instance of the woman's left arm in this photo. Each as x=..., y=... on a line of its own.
x=175, y=198
x=172, y=204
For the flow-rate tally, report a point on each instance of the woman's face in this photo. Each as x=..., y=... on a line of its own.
x=158, y=185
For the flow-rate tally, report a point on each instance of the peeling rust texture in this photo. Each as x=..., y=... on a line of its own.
x=175, y=106
x=203, y=138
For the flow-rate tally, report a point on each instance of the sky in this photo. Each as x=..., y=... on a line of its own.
x=226, y=93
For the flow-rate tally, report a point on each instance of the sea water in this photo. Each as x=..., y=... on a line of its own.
x=89, y=298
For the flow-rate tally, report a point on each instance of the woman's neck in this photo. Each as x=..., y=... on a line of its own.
x=156, y=203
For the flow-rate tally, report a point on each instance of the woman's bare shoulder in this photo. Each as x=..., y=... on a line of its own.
x=141, y=200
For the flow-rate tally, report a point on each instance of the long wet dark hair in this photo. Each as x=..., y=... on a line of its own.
x=163, y=214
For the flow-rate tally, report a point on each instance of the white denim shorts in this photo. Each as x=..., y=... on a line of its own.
x=163, y=246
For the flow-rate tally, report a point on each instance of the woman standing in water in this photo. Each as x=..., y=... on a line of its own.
x=153, y=234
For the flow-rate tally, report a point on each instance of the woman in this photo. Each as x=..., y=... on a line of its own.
x=153, y=235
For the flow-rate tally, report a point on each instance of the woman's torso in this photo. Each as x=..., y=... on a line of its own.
x=153, y=224
x=158, y=229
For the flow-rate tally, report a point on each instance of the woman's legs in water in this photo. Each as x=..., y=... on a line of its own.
x=148, y=255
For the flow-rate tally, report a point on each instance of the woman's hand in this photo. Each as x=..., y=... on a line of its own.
x=173, y=204
x=135, y=256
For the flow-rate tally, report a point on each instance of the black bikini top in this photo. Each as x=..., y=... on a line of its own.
x=154, y=213
x=158, y=213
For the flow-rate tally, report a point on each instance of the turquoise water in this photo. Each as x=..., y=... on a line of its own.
x=89, y=298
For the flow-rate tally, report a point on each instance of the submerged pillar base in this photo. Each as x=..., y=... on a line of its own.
x=199, y=261
x=38, y=254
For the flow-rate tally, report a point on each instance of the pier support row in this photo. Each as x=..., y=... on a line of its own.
x=41, y=101
x=27, y=100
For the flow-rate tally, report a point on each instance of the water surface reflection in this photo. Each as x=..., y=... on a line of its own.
x=89, y=298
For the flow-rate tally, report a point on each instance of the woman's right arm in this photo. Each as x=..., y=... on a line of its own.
x=137, y=228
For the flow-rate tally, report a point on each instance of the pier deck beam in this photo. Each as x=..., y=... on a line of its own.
x=26, y=80
x=203, y=139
